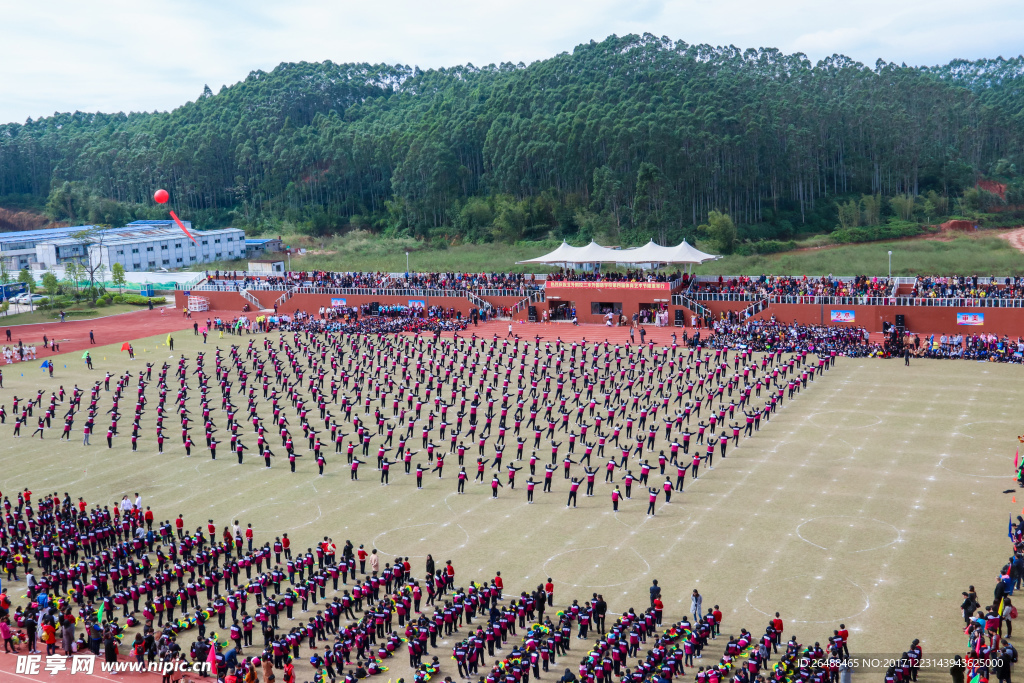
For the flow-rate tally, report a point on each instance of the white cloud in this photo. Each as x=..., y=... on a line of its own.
x=117, y=55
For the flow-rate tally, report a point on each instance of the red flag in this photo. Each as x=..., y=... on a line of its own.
x=211, y=655
x=124, y=346
x=182, y=226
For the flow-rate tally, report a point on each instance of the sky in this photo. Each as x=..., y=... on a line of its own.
x=121, y=55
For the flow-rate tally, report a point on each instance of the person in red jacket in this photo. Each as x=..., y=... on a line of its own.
x=777, y=625
x=498, y=583
x=449, y=571
x=361, y=554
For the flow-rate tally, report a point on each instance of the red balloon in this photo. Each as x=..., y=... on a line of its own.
x=161, y=196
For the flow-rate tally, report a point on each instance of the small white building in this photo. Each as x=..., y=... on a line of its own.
x=266, y=266
x=146, y=246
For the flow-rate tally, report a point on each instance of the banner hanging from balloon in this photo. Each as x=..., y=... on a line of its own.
x=162, y=197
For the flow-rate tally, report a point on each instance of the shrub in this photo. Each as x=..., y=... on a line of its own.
x=764, y=247
x=136, y=300
x=889, y=231
x=55, y=302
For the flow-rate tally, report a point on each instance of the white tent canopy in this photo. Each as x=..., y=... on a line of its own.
x=684, y=253
x=649, y=253
x=564, y=254
x=595, y=253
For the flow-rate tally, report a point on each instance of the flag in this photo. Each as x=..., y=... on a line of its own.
x=124, y=347
x=168, y=339
x=99, y=614
x=85, y=355
x=45, y=364
x=1009, y=527
x=1016, y=458
x=211, y=656
x=182, y=226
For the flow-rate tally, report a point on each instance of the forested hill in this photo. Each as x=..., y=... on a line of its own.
x=632, y=136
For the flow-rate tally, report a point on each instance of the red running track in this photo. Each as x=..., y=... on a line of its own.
x=115, y=329
x=9, y=674
x=74, y=335
x=570, y=333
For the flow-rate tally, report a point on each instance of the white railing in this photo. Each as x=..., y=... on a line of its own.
x=898, y=282
x=952, y=302
x=416, y=293
x=524, y=291
x=970, y=302
x=754, y=308
x=480, y=303
x=724, y=296
x=757, y=278
x=284, y=297
x=251, y=299
x=382, y=291
x=216, y=288
x=479, y=291
x=191, y=284
x=241, y=274
x=701, y=310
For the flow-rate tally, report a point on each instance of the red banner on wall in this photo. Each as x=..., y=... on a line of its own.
x=661, y=286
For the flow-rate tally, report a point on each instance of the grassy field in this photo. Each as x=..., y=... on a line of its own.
x=360, y=250
x=983, y=255
x=872, y=498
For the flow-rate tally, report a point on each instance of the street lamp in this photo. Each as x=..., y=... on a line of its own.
x=890, y=264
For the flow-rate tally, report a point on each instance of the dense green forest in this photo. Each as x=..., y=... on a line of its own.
x=625, y=139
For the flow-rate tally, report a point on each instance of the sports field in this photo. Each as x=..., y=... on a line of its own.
x=872, y=498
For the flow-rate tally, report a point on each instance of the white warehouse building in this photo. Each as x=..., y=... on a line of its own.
x=18, y=249
x=146, y=245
